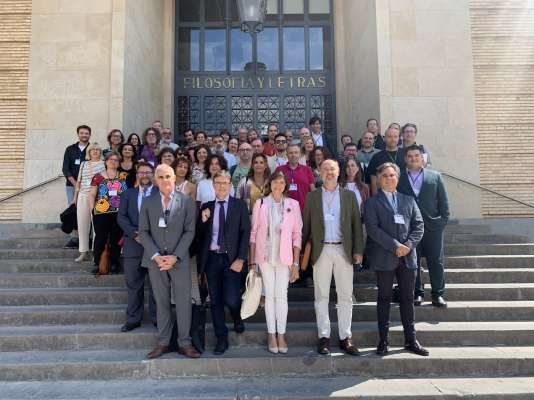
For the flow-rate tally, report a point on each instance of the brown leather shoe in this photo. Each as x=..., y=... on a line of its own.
x=158, y=351
x=347, y=346
x=324, y=346
x=189, y=351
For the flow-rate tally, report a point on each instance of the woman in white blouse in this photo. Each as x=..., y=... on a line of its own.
x=351, y=179
x=205, y=190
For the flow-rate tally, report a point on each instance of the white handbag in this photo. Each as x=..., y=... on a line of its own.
x=252, y=295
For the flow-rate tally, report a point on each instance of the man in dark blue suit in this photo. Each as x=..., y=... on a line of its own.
x=223, y=232
x=394, y=229
x=134, y=274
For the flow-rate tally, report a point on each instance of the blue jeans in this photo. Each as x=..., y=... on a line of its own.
x=225, y=290
x=70, y=194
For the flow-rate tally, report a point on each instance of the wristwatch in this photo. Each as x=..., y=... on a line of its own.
x=295, y=264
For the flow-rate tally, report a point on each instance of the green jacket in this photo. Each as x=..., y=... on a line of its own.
x=432, y=200
x=351, y=223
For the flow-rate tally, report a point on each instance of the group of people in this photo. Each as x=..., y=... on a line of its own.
x=215, y=207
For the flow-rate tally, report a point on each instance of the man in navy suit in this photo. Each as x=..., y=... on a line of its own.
x=223, y=233
x=134, y=274
x=394, y=229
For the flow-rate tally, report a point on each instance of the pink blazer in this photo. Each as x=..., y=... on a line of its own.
x=291, y=229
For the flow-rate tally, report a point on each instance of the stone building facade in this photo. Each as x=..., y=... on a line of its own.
x=460, y=69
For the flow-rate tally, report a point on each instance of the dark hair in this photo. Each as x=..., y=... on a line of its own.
x=351, y=144
x=413, y=147
x=83, y=127
x=112, y=132
x=280, y=135
x=326, y=154
x=156, y=131
x=345, y=136
x=129, y=140
x=222, y=163
x=181, y=152
x=274, y=176
x=315, y=119
x=371, y=119
x=144, y=164
x=189, y=130
x=201, y=133
x=180, y=160
x=343, y=174
x=197, y=148
x=409, y=125
x=121, y=147
x=267, y=171
x=225, y=131
x=163, y=151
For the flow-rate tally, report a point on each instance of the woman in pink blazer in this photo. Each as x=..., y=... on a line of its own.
x=275, y=242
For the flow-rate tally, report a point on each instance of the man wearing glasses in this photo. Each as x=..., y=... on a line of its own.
x=223, y=233
x=241, y=170
x=280, y=156
x=132, y=252
x=166, y=230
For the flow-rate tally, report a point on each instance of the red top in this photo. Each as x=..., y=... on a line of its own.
x=268, y=149
x=302, y=177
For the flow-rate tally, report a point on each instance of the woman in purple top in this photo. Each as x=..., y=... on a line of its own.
x=149, y=150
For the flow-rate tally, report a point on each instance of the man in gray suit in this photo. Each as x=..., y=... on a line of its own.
x=166, y=230
x=394, y=228
x=132, y=252
x=428, y=190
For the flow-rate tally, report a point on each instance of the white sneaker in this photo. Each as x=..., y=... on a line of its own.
x=85, y=256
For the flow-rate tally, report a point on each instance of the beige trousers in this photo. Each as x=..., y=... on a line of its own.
x=333, y=261
x=83, y=213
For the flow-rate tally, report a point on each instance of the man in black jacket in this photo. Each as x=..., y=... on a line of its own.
x=223, y=232
x=72, y=159
x=132, y=252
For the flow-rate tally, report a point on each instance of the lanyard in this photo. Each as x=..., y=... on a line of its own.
x=394, y=203
x=393, y=160
x=331, y=202
x=414, y=180
x=292, y=173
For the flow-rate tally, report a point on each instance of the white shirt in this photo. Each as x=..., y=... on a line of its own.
x=332, y=215
x=206, y=191
x=231, y=160
x=318, y=138
x=392, y=199
x=354, y=189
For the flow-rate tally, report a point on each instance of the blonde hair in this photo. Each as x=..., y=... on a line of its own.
x=92, y=146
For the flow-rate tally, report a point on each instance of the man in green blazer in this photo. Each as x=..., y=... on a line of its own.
x=333, y=225
x=428, y=189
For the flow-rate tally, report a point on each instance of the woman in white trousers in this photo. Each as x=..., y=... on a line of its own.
x=275, y=242
x=89, y=168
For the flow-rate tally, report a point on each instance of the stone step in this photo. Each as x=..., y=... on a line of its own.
x=40, y=254
x=362, y=292
x=277, y=388
x=468, y=228
x=64, y=265
x=34, y=243
x=484, y=238
x=109, y=337
x=485, y=249
x=298, y=312
x=82, y=279
x=247, y=362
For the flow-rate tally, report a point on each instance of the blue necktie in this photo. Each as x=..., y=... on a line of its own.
x=220, y=237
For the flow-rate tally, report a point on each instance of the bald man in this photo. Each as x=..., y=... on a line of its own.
x=166, y=230
x=333, y=226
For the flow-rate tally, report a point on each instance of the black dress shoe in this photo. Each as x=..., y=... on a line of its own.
x=324, y=346
x=348, y=347
x=382, y=348
x=418, y=300
x=239, y=325
x=416, y=348
x=127, y=327
x=73, y=243
x=114, y=269
x=221, y=346
x=439, y=302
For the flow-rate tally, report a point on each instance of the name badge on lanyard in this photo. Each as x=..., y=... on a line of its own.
x=77, y=161
x=293, y=187
x=399, y=219
x=162, y=223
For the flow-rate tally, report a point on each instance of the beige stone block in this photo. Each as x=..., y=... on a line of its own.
x=402, y=5
x=117, y=69
x=386, y=112
x=383, y=22
x=59, y=28
x=48, y=144
x=458, y=193
x=422, y=110
x=45, y=6
x=82, y=55
x=85, y=7
x=458, y=53
x=42, y=114
x=69, y=84
x=98, y=28
x=405, y=82
x=37, y=171
x=92, y=112
x=462, y=110
x=435, y=25
x=385, y=81
x=42, y=55
x=442, y=4
x=36, y=210
x=118, y=5
x=116, y=113
x=119, y=26
x=402, y=25
x=450, y=82
x=417, y=53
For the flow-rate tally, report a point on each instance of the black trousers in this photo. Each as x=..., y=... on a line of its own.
x=406, y=281
x=134, y=276
x=106, y=227
x=431, y=247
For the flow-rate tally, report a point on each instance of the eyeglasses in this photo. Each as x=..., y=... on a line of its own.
x=218, y=183
x=145, y=174
x=245, y=149
x=280, y=141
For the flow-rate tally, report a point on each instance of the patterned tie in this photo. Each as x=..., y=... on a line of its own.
x=220, y=237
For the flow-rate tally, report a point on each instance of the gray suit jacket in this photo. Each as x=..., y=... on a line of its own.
x=176, y=237
x=384, y=235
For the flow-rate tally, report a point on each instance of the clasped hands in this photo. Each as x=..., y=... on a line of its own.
x=402, y=250
x=165, y=263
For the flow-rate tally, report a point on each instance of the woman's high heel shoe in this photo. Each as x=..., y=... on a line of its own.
x=282, y=344
x=272, y=343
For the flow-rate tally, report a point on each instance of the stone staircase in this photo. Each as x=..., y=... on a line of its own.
x=60, y=334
